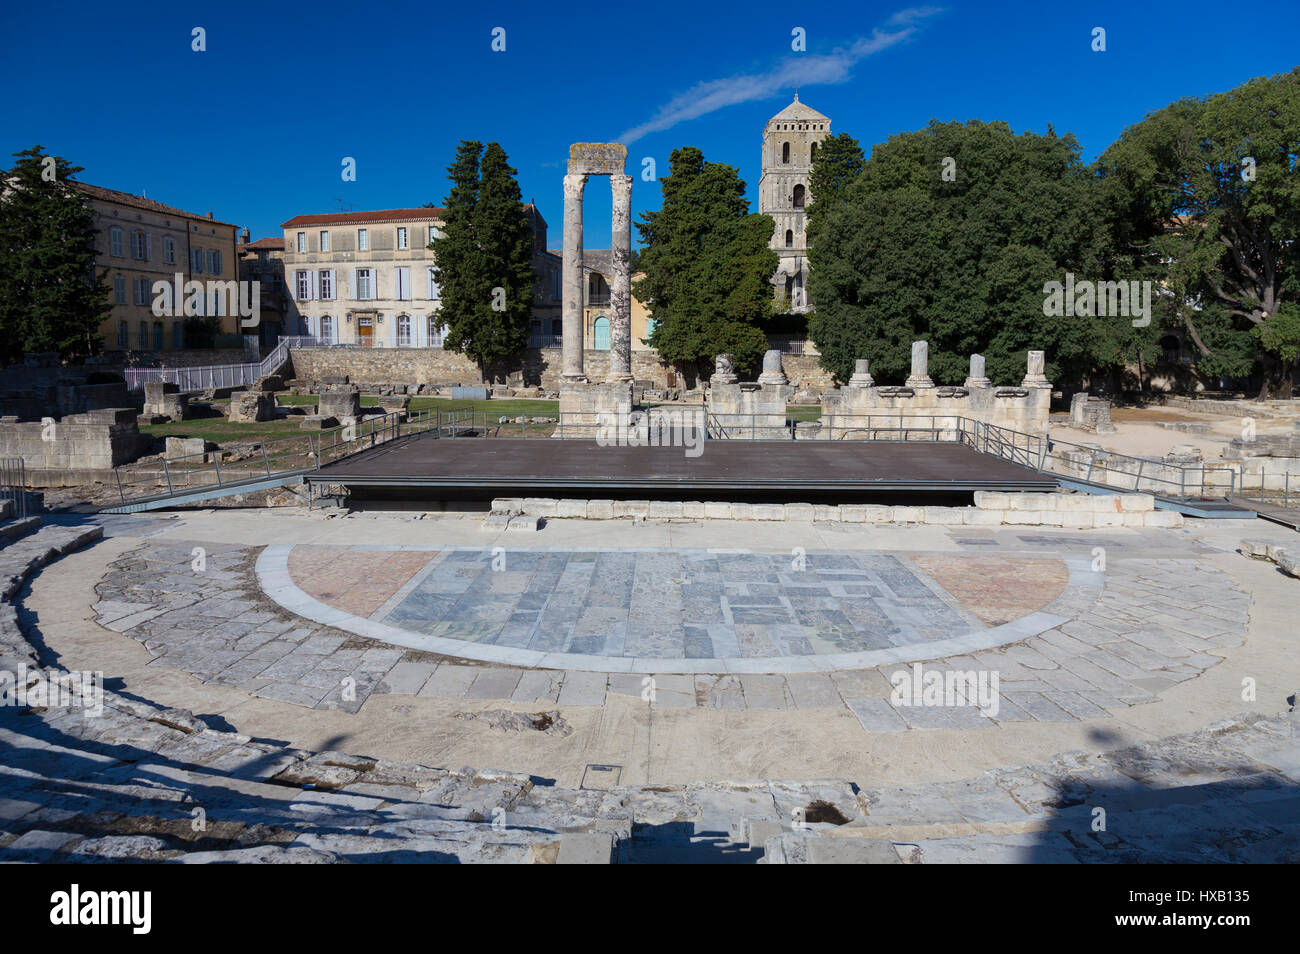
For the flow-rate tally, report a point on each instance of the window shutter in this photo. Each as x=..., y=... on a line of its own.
x=334, y=288
x=293, y=290
x=148, y=246
x=313, y=285
x=352, y=284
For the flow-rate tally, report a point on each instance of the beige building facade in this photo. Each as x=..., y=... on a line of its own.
x=139, y=242
x=363, y=278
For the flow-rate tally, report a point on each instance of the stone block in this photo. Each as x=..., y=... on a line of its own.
x=1167, y=519
x=943, y=516
x=1108, y=520
x=1078, y=521
x=853, y=513
x=1025, y=517
x=826, y=513
x=1137, y=503
x=665, y=510
x=570, y=508
x=317, y=422
x=879, y=513
x=768, y=512
x=693, y=509
x=717, y=510
x=909, y=514
x=631, y=508
x=508, y=503
x=540, y=506
x=1134, y=519
x=982, y=518
x=740, y=511
x=799, y=511
x=600, y=510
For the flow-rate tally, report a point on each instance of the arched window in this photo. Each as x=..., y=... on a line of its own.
x=785, y=152
x=789, y=238
x=812, y=153
x=326, y=329
x=600, y=332
x=798, y=196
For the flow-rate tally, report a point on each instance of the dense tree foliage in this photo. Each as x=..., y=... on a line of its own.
x=707, y=266
x=483, y=261
x=50, y=297
x=1211, y=185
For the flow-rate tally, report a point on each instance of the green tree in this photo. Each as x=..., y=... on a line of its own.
x=961, y=260
x=708, y=266
x=50, y=297
x=483, y=261
x=1211, y=186
x=839, y=161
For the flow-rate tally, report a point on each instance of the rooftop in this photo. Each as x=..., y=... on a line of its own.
x=363, y=218
x=140, y=202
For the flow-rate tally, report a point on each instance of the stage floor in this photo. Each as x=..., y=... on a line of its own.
x=475, y=462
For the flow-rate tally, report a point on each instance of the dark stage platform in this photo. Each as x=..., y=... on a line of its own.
x=511, y=467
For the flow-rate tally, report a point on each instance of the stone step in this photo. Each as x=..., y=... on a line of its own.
x=27, y=554
x=11, y=530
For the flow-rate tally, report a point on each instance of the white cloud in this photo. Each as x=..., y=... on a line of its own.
x=795, y=70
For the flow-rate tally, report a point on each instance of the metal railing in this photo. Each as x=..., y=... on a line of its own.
x=205, y=377
x=13, y=484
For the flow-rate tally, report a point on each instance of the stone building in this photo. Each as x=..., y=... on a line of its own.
x=367, y=278
x=138, y=242
x=597, y=272
x=263, y=262
x=363, y=278
x=790, y=141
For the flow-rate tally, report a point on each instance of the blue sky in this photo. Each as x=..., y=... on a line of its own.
x=256, y=127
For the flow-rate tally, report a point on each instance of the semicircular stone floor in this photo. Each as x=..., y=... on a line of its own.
x=327, y=626
x=678, y=610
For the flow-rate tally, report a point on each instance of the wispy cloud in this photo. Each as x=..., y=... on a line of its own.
x=797, y=70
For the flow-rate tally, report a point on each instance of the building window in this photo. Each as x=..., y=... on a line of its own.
x=327, y=284
x=143, y=337
x=123, y=335
x=119, y=289
x=812, y=153
x=140, y=291
x=169, y=250
x=436, y=330
x=365, y=284
x=789, y=238
x=324, y=241
x=434, y=293
x=403, y=290
x=214, y=263
x=798, y=196
x=157, y=335
x=303, y=286
x=302, y=242
x=115, y=241
x=785, y=153
x=138, y=246
x=363, y=240
x=600, y=334
x=433, y=233
x=326, y=329
x=196, y=261
x=178, y=334
x=403, y=331
x=401, y=238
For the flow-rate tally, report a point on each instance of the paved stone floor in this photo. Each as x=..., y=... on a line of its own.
x=1132, y=668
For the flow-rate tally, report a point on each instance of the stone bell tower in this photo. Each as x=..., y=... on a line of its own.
x=790, y=141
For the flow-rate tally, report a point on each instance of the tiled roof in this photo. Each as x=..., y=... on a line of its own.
x=363, y=218
x=139, y=202
x=274, y=243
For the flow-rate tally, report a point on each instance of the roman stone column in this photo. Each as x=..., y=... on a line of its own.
x=620, y=288
x=920, y=376
x=861, y=374
x=572, y=297
x=977, y=377
x=1034, y=368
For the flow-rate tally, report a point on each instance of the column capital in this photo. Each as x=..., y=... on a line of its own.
x=621, y=186
x=574, y=183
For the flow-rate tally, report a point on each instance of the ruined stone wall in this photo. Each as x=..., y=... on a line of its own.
x=78, y=448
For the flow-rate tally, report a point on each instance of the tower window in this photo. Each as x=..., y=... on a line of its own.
x=812, y=153
x=789, y=238
x=798, y=196
x=785, y=152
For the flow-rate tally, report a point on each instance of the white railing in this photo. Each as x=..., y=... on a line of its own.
x=205, y=377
